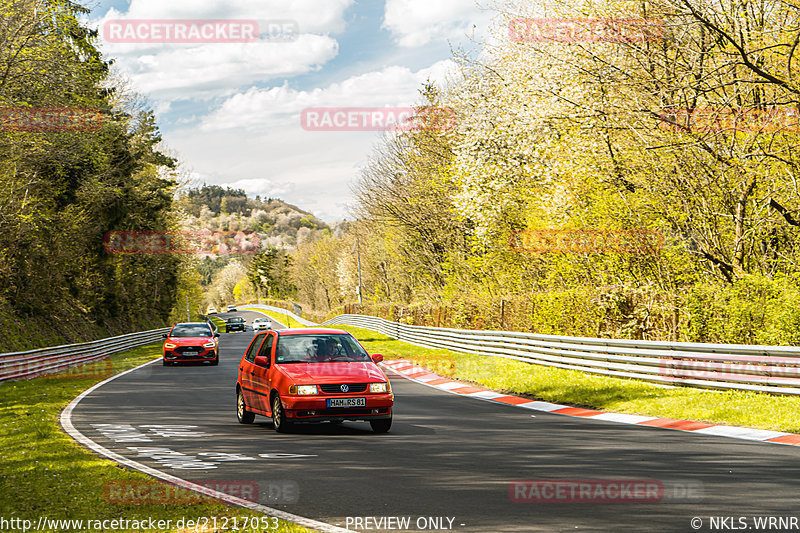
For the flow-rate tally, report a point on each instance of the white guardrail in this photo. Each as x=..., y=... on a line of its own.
x=774, y=369
x=34, y=363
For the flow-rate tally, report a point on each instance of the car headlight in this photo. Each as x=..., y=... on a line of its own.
x=209, y=344
x=378, y=387
x=303, y=390
x=170, y=346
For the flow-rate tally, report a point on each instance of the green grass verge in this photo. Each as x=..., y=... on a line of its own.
x=45, y=473
x=736, y=408
x=217, y=322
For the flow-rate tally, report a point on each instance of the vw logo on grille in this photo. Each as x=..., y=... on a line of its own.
x=344, y=388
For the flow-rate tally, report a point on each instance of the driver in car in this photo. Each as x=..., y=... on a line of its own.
x=323, y=349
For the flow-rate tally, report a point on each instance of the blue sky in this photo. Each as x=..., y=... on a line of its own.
x=231, y=112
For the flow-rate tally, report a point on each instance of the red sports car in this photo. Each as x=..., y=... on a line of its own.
x=191, y=342
x=312, y=375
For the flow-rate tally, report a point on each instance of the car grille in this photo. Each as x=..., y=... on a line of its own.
x=337, y=389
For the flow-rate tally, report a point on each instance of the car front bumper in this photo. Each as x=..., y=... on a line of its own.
x=309, y=410
x=174, y=357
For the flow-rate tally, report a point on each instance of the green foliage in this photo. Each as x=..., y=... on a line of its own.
x=269, y=273
x=216, y=199
x=754, y=310
x=61, y=191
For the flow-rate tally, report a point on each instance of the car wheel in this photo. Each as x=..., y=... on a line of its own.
x=381, y=426
x=215, y=362
x=165, y=363
x=242, y=414
x=279, y=416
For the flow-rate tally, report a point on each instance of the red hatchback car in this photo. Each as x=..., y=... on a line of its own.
x=312, y=375
x=191, y=342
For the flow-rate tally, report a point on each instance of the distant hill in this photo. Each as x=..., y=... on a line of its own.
x=278, y=223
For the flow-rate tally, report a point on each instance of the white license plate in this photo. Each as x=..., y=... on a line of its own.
x=191, y=353
x=347, y=402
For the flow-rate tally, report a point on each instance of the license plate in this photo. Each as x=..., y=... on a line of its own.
x=347, y=402
x=191, y=353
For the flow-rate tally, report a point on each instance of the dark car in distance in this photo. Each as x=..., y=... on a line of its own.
x=235, y=323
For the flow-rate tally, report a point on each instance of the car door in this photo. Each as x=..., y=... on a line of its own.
x=261, y=375
x=246, y=368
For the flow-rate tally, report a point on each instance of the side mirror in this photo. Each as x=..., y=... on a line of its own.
x=377, y=358
x=262, y=361
x=216, y=334
x=164, y=336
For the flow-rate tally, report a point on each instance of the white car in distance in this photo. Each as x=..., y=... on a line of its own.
x=261, y=324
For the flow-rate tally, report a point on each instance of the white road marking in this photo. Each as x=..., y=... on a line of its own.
x=66, y=424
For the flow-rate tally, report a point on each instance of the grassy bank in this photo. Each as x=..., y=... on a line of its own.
x=736, y=408
x=45, y=473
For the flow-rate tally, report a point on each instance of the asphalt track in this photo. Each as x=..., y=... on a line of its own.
x=446, y=457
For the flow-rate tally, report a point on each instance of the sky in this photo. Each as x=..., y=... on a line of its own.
x=231, y=111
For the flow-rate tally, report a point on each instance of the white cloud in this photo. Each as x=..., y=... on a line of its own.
x=392, y=86
x=313, y=16
x=201, y=71
x=418, y=22
x=255, y=141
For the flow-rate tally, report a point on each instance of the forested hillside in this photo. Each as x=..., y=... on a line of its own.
x=280, y=227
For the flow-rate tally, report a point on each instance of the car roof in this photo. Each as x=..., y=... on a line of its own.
x=312, y=331
x=191, y=324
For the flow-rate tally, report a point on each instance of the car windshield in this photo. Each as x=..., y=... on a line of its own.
x=191, y=330
x=318, y=349
x=235, y=320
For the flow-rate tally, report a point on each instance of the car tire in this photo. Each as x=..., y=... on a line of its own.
x=242, y=414
x=165, y=363
x=215, y=362
x=381, y=426
x=279, y=421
